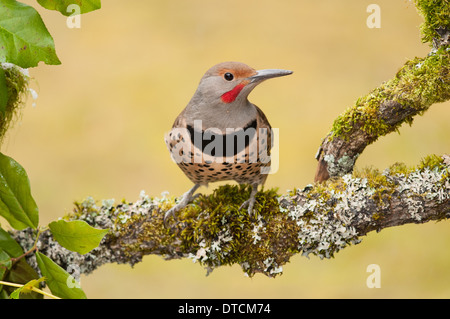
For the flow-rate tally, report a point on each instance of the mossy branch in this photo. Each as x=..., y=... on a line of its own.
x=320, y=219
x=420, y=83
x=16, y=82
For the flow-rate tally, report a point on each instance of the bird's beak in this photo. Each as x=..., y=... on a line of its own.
x=262, y=75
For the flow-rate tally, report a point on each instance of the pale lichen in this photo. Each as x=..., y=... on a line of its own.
x=319, y=220
x=341, y=166
x=327, y=213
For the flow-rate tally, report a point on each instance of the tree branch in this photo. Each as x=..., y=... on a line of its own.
x=420, y=83
x=320, y=219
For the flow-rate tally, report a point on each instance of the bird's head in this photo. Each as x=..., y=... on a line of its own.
x=230, y=82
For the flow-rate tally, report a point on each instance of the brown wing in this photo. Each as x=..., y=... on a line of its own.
x=173, y=137
x=180, y=121
x=263, y=122
x=262, y=119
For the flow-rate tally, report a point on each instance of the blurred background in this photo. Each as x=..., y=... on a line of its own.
x=98, y=125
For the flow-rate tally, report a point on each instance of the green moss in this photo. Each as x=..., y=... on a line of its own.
x=223, y=234
x=377, y=216
x=431, y=162
x=400, y=169
x=436, y=13
x=363, y=115
x=16, y=84
x=382, y=187
x=424, y=81
x=86, y=207
x=212, y=230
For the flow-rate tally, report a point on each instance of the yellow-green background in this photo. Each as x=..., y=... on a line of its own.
x=98, y=128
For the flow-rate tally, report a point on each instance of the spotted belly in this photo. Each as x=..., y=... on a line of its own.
x=249, y=165
x=243, y=173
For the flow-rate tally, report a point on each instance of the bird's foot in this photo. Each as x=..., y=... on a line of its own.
x=169, y=213
x=187, y=197
x=175, y=209
x=249, y=203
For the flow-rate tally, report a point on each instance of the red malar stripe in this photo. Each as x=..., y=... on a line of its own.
x=230, y=96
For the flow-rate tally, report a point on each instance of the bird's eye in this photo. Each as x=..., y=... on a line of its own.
x=228, y=76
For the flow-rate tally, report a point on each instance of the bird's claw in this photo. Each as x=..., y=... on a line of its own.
x=187, y=197
x=249, y=203
x=170, y=212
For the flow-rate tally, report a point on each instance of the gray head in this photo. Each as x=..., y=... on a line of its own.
x=221, y=97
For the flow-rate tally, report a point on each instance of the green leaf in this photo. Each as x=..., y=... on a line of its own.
x=26, y=288
x=9, y=244
x=58, y=280
x=24, y=39
x=15, y=294
x=21, y=273
x=4, y=95
x=85, y=6
x=3, y=294
x=5, y=263
x=17, y=205
x=77, y=235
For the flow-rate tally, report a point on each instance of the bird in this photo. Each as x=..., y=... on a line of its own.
x=220, y=135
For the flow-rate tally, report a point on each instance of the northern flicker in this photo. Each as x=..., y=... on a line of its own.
x=220, y=135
